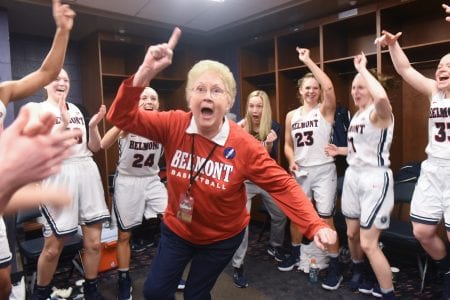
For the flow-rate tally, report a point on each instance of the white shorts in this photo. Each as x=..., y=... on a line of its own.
x=431, y=198
x=320, y=184
x=368, y=195
x=137, y=196
x=5, y=253
x=82, y=179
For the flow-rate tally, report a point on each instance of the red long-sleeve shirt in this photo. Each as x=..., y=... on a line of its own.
x=219, y=191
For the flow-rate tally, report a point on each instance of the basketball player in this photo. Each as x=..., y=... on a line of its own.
x=19, y=89
x=308, y=131
x=430, y=202
x=82, y=178
x=368, y=193
x=258, y=122
x=138, y=191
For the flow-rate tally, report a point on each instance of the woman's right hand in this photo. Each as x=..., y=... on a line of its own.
x=157, y=58
x=160, y=56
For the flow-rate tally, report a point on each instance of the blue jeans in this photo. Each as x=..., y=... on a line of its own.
x=172, y=256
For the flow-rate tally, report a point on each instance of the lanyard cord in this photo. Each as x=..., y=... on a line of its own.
x=191, y=171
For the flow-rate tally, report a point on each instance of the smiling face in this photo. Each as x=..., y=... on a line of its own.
x=149, y=99
x=310, y=91
x=255, y=107
x=360, y=93
x=443, y=74
x=209, y=102
x=59, y=87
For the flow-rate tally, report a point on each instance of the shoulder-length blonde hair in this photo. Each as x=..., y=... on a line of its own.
x=265, y=124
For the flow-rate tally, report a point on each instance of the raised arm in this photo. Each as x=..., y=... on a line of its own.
x=52, y=64
x=403, y=67
x=157, y=58
x=383, y=108
x=329, y=98
x=94, y=143
x=110, y=137
x=289, y=143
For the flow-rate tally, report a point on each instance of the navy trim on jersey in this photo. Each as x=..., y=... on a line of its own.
x=350, y=218
x=119, y=220
x=330, y=215
x=381, y=146
x=447, y=226
x=6, y=262
x=99, y=219
x=52, y=224
x=379, y=203
x=423, y=220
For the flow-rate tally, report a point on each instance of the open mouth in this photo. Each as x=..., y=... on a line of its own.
x=443, y=78
x=206, y=111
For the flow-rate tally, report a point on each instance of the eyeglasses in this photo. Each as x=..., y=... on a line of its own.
x=215, y=92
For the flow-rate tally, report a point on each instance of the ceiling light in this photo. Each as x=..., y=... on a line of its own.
x=218, y=1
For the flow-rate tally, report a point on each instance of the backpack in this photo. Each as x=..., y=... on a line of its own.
x=340, y=126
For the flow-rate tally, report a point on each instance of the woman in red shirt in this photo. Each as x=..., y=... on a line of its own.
x=208, y=160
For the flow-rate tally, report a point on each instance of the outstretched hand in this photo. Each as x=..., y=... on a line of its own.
x=157, y=58
x=325, y=237
x=63, y=15
x=387, y=38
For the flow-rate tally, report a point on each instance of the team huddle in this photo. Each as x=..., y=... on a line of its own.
x=215, y=167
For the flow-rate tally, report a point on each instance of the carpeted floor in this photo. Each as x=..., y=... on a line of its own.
x=266, y=282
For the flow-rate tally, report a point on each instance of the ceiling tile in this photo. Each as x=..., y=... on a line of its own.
x=127, y=7
x=176, y=12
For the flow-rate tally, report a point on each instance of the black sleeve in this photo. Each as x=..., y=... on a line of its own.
x=274, y=152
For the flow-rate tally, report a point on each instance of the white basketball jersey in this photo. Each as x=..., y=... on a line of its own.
x=368, y=145
x=310, y=134
x=76, y=122
x=439, y=127
x=2, y=114
x=138, y=156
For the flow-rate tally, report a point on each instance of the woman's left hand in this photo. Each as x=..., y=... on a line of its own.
x=271, y=137
x=97, y=117
x=324, y=237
